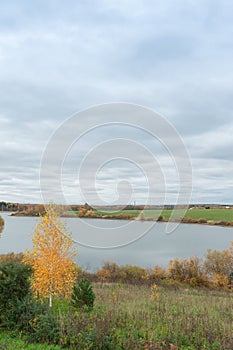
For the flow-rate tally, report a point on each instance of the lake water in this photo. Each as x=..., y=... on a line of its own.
x=125, y=242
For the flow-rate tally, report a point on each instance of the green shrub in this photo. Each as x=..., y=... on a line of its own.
x=18, y=308
x=83, y=295
x=44, y=329
x=14, y=287
x=26, y=311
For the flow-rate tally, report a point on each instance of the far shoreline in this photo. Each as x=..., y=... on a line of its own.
x=184, y=220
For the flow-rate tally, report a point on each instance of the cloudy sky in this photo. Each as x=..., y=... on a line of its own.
x=60, y=57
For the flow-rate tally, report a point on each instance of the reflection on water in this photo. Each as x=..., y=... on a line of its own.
x=1, y=224
x=150, y=245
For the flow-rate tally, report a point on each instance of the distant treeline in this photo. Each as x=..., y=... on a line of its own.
x=39, y=208
x=32, y=208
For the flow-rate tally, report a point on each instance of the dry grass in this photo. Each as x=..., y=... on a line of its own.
x=188, y=319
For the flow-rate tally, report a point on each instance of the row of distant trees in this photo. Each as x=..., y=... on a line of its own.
x=31, y=208
x=5, y=206
x=36, y=209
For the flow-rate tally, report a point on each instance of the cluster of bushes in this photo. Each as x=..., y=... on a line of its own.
x=89, y=213
x=111, y=272
x=189, y=271
x=215, y=271
x=188, y=220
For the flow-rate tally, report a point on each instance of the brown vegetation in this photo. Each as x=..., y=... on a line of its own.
x=215, y=271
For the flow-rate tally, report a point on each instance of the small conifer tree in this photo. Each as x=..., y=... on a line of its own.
x=83, y=296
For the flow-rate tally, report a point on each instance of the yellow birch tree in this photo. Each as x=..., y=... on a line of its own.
x=51, y=258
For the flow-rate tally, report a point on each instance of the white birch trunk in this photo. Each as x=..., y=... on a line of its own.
x=50, y=295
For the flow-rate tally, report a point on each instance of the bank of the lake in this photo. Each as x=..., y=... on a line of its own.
x=212, y=217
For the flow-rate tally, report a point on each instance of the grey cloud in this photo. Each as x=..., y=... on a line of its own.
x=214, y=145
x=56, y=59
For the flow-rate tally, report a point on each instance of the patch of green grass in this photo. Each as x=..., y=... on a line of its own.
x=208, y=214
x=13, y=341
x=133, y=213
x=211, y=214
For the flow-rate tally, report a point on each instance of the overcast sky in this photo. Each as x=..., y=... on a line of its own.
x=60, y=57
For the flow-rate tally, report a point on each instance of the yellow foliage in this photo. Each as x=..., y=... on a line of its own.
x=145, y=275
x=82, y=212
x=219, y=262
x=187, y=271
x=154, y=291
x=54, y=271
x=158, y=273
x=103, y=274
x=220, y=280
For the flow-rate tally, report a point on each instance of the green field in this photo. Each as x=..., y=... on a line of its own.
x=208, y=214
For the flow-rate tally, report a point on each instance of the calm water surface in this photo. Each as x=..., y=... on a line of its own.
x=139, y=243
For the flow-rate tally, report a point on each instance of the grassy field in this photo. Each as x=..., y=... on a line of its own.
x=127, y=317
x=211, y=214
x=189, y=319
x=208, y=214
